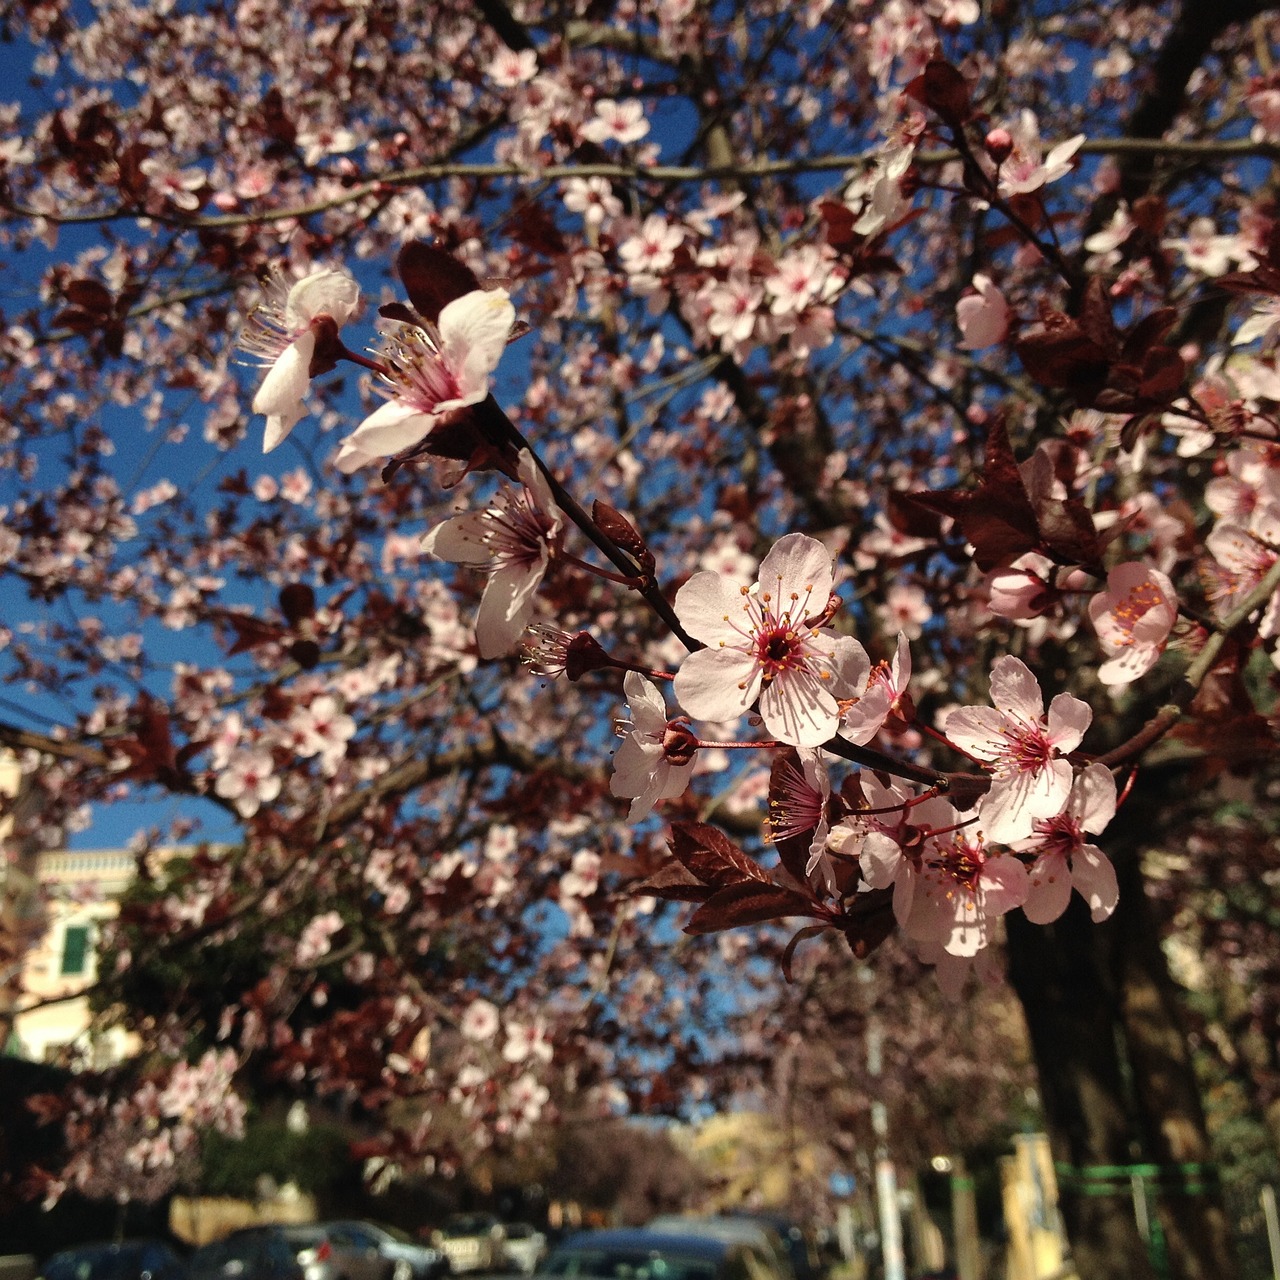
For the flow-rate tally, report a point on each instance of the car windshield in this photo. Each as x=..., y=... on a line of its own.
x=403, y=1237
x=628, y=1264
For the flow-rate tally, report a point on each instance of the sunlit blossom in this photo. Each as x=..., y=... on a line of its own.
x=657, y=755
x=1133, y=618
x=433, y=370
x=1024, y=748
x=281, y=334
x=514, y=539
x=766, y=643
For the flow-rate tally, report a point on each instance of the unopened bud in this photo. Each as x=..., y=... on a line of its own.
x=999, y=145
x=679, y=743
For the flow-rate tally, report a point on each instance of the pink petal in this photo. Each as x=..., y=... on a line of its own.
x=977, y=730
x=717, y=684
x=1094, y=879
x=708, y=605
x=1068, y=719
x=1015, y=691
x=473, y=335
x=1004, y=885
x=1093, y=798
x=797, y=564
x=282, y=390
x=1049, y=890
x=324, y=293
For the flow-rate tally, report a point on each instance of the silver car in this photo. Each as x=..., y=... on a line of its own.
x=471, y=1242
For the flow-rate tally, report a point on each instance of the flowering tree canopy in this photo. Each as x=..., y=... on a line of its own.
x=874, y=407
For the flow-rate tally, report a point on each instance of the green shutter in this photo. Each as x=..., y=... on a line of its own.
x=75, y=949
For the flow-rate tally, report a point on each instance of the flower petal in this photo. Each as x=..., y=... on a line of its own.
x=1015, y=691
x=797, y=564
x=460, y=540
x=280, y=395
x=647, y=705
x=708, y=605
x=506, y=606
x=391, y=427
x=717, y=684
x=323, y=293
x=1094, y=879
x=797, y=707
x=1050, y=889
x=473, y=335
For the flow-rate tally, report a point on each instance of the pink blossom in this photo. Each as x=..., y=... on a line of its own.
x=1023, y=747
x=1022, y=589
x=906, y=608
x=1028, y=169
x=886, y=688
x=322, y=729
x=512, y=67
x=513, y=539
x=616, y=121
x=1133, y=618
x=656, y=756
x=1263, y=322
x=315, y=940
x=1210, y=254
x=480, y=1021
x=526, y=1040
x=248, y=780
x=653, y=248
x=593, y=198
x=433, y=370
x=798, y=804
x=583, y=877
x=281, y=334
x=1064, y=861
x=983, y=316
x=765, y=644
x=965, y=887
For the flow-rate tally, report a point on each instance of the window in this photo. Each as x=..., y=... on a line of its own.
x=75, y=949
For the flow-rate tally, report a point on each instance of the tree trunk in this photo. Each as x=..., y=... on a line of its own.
x=1117, y=1082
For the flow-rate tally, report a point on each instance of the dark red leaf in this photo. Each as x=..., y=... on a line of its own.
x=747, y=903
x=674, y=881
x=90, y=295
x=943, y=89
x=433, y=278
x=712, y=857
x=297, y=601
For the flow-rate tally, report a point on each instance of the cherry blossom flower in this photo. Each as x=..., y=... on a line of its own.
x=526, y=1040
x=513, y=539
x=512, y=67
x=616, y=121
x=480, y=1021
x=798, y=804
x=1133, y=618
x=433, y=370
x=281, y=334
x=657, y=755
x=248, y=781
x=764, y=644
x=983, y=316
x=316, y=939
x=1022, y=589
x=593, y=198
x=1065, y=861
x=1028, y=169
x=885, y=692
x=1024, y=748
x=1209, y=253
x=964, y=889
x=322, y=729
x=1263, y=322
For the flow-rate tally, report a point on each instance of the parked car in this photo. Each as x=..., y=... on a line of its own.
x=471, y=1242
x=253, y=1253
x=524, y=1248
x=801, y=1245
x=126, y=1260
x=748, y=1231
x=404, y=1257
x=641, y=1254
x=325, y=1255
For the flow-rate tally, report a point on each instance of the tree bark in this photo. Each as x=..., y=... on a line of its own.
x=1117, y=1081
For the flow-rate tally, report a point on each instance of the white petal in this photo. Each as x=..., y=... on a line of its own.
x=473, y=335
x=800, y=564
x=709, y=605
x=798, y=708
x=505, y=608
x=284, y=386
x=717, y=684
x=977, y=730
x=459, y=540
x=1068, y=719
x=391, y=427
x=648, y=708
x=324, y=293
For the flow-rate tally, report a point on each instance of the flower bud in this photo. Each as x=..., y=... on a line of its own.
x=999, y=145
